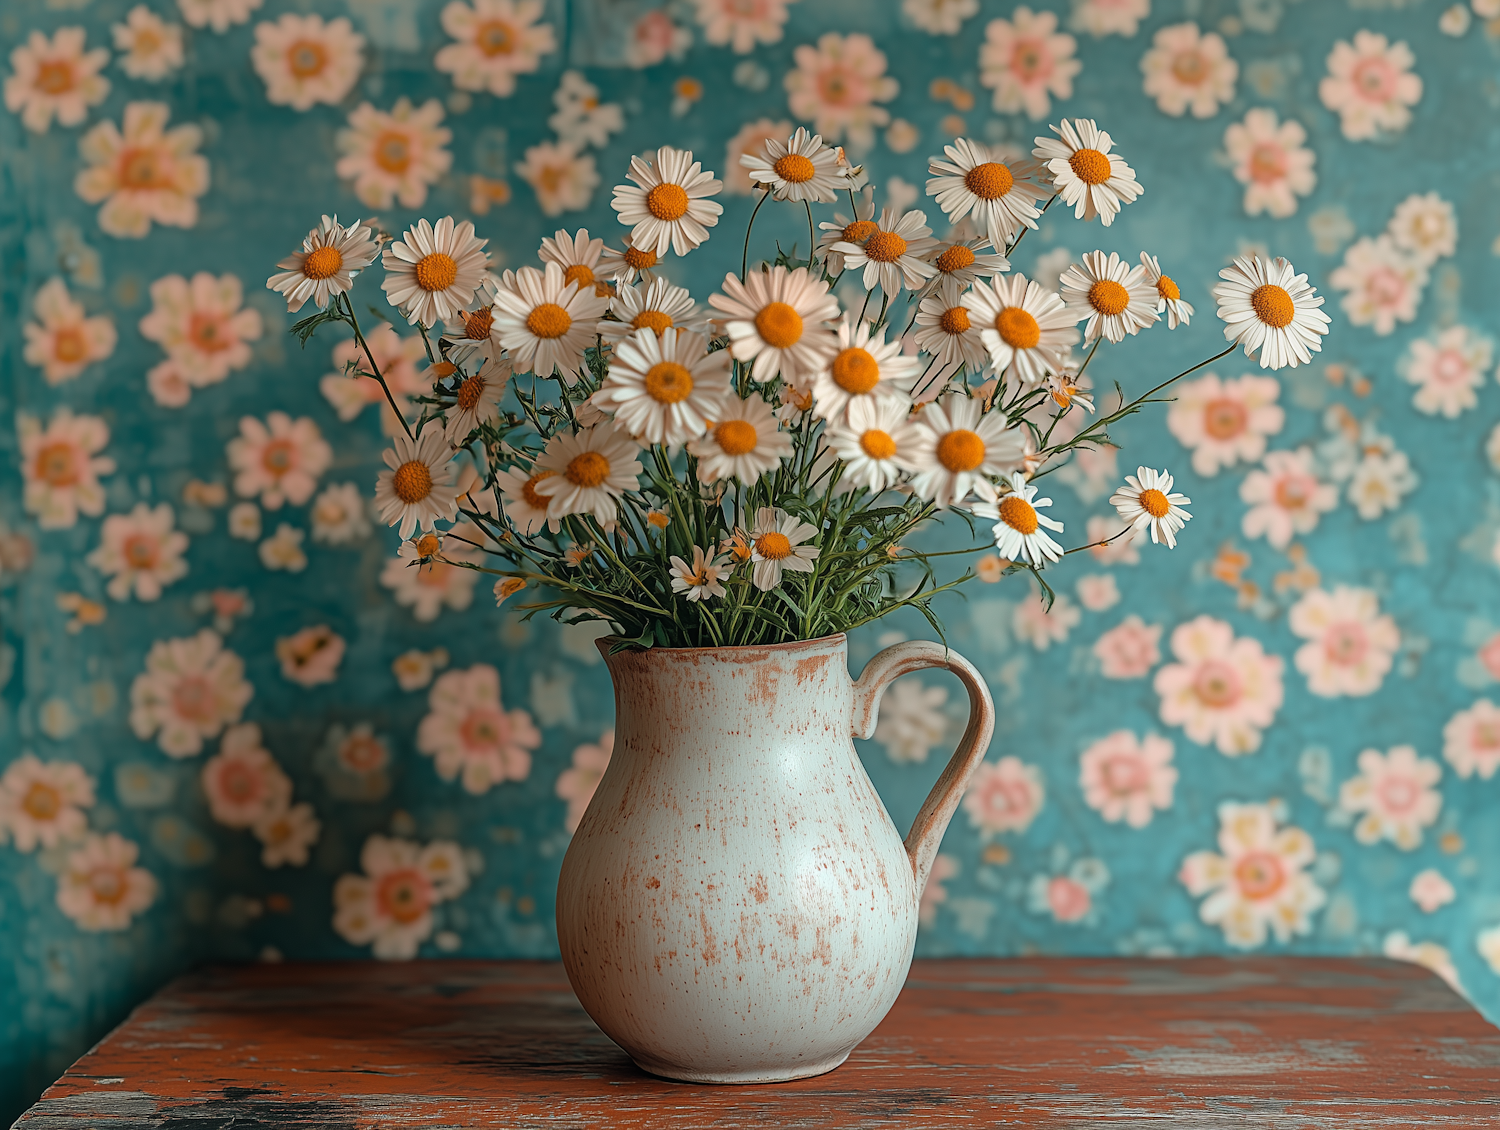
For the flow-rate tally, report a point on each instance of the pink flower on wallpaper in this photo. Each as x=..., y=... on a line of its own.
x=1430, y=890
x=140, y=552
x=1109, y=17
x=42, y=802
x=61, y=465
x=653, y=38
x=397, y=358
x=1471, y=740
x=1128, y=778
x=1257, y=880
x=1351, y=645
x=577, y=784
x=1370, y=85
x=389, y=907
x=243, y=782
x=287, y=835
x=1034, y=624
x=1286, y=497
x=279, y=460
x=1448, y=370
x=1394, y=793
x=394, y=155
x=1108, y=545
x=191, y=689
x=1489, y=656
x=1004, y=796
x=1222, y=690
x=312, y=656
x=1383, y=284
x=836, y=86
x=55, y=77
x=741, y=24
x=1097, y=592
x=494, y=41
x=1069, y=898
x=1224, y=422
x=304, y=61
x=1129, y=650
x=467, y=731
x=944, y=867
x=63, y=341
x=1027, y=62
x=203, y=327
x=100, y=887
x=1188, y=69
x=144, y=173
x=1271, y=159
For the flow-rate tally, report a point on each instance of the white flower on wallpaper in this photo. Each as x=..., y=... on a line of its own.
x=142, y=172
x=742, y=24
x=64, y=340
x=278, y=461
x=1109, y=17
x=1270, y=158
x=1429, y=955
x=42, y=803
x=1225, y=421
x=340, y=515
x=1127, y=778
x=394, y=156
x=1351, y=644
x=469, y=734
x=1128, y=650
x=1286, y=497
x=151, y=48
x=140, y=552
x=61, y=465
x=311, y=657
x=190, y=690
x=836, y=86
x=1223, y=690
x=1004, y=796
x=389, y=907
x=1370, y=85
x=1448, y=369
x=1189, y=70
x=939, y=17
x=1383, y=283
x=220, y=15
x=242, y=782
x=100, y=887
x=304, y=61
x=282, y=551
x=1424, y=226
x=1471, y=740
x=287, y=835
x=578, y=783
x=55, y=77
x=1394, y=796
x=912, y=720
x=562, y=178
x=1027, y=62
x=1257, y=882
x=494, y=41
x=203, y=327
x=581, y=116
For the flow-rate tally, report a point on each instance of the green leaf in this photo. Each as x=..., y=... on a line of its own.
x=309, y=326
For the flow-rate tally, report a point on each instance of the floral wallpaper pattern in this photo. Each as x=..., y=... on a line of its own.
x=234, y=724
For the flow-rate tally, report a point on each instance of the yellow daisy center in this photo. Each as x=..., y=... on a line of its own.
x=1090, y=166
x=529, y=494
x=667, y=202
x=1109, y=297
x=877, y=444
x=989, y=181
x=774, y=546
x=860, y=230
x=1155, y=503
x=779, y=325
x=855, y=371
x=477, y=324
x=549, y=320
x=1018, y=514
x=470, y=391
x=1273, y=306
x=667, y=382
x=587, y=469
x=956, y=258
x=736, y=437
x=323, y=263
x=1017, y=328
x=960, y=450
x=1168, y=289
x=955, y=320
x=885, y=247
x=639, y=258
x=412, y=481
x=794, y=168
x=493, y=37
x=428, y=545
x=653, y=320
x=436, y=271
x=580, y=274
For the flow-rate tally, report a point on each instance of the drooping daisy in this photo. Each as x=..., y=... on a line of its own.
x=63, y=342
x=432, y=274
x=893, y=255
x=665, y=389
x=775, y=317
x=1187, y=69
x=1094, y=181
x=1270, y=309
x=304, y=61
x=151, y=48
x=418, y=489
x=836, y=85
x=959, y=446
x=578, y=256
x=1019, y=532
x=473, y=337
x=874, y=441
x=658, y=306
x=55, y=77
x=974, y=181
x=1370, y=85
x=476, y=400
x=945, y=331
x=778, y=542
x=1117, y=299
x=331, y=256
x=800, y=168
x=1027, y=62
x=526, y=509
x=1026, y=329
x=496, y=40
x=141, y=552
x=1384, y=284
x=744, y=443
x=630, y=263
x=392, y=156
x=668, y=207
x=563, y=178
x=545, y=322
x=590, y=471
x=1169, y=298
x=862, y=369
x=1146, y=500
x=963, y=261
x=143, y=172
x=700, y=580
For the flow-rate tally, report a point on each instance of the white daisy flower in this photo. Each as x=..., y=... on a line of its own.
x=1267, y=307
x=1169, y=298
x=958, y=446
x=1093, y=180
x=657, y=306
x=433, y=273
x=418, y=489
x=744, y=443
x=875, y=441
x=473, y=333
x=845, y=230
x=776, y=317
x=777, y=543
x=946, y=332
x=700, y=580
x=670, y=208
x=1026, y=329
x=1019, y=532
x=665, y=389
x=331, y=256
x=526, y=509
x=963, y=261
x=974, y=181
x=1114, y=297
x=893, y=255
x=1146, y=500
x=476, y=401
x=578, y=256
x=801, y=168
x=591, y=470
x=863, y=368
x=546, y=322
x=629, y=264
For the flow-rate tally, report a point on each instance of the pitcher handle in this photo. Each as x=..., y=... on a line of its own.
x=932, y=820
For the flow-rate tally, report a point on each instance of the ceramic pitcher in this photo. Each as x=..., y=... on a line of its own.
x=736, y=905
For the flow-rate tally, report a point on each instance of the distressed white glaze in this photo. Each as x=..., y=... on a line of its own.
x=736, y=905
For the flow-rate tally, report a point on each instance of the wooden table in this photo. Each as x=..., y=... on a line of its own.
x=1258, y=1042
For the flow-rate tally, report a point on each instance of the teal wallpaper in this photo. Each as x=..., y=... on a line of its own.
x=230, y=714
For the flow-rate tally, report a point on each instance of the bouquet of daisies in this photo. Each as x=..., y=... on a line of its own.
x=753, y=471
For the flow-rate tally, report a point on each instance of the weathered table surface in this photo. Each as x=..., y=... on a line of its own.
x=1253, y=1042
